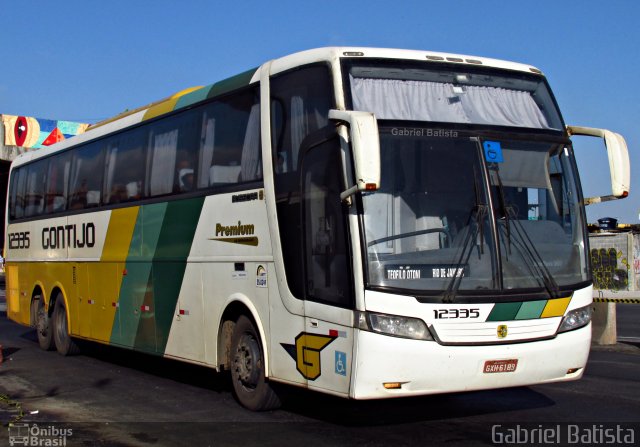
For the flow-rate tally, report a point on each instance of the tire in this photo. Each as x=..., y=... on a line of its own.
x=43, y=325
x=64, y=343
x=247, y=369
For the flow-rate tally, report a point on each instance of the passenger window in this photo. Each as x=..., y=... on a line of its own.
x=34, y=193
x=57, y=181
x=17, y=198
x=125, y=167
x=85, y=184
x=300, y=103
x=230, y=141
x=173, y=151
x=163, y=147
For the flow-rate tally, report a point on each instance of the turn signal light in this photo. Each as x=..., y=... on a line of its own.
x=392, y=385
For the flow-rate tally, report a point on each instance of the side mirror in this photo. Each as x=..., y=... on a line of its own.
x=365, y=145
x=619, y=165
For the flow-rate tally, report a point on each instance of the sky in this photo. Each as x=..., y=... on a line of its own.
x=87, y=60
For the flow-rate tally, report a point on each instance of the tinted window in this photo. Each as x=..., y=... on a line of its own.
x=300, y=103
x=230, y=140
x=86, y=177
x=214, y=144
x=34, y=192
x=57, y=181
x=326, y=255
x=125, y=167
x=16, y=201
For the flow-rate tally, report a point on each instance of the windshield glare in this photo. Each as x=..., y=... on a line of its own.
x=429, y=226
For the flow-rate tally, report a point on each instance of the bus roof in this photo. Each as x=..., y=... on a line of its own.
x=190, y=96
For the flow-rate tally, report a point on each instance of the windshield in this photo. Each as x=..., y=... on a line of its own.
x=429, y=223
x=478, y=190
x=430, y=226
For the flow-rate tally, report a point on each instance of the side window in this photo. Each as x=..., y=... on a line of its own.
x=125, y=167
x=163, y=147
x=173, y=153
x=230, y=140
x=34, y=192
x=57, y=181
x=85, y=183
x=17, y=197
x=300, y=104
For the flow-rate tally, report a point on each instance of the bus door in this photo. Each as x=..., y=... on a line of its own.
x=314, y=347
x=328, y=279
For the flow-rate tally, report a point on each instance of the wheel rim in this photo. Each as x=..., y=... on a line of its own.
x=247, y=362
x=41, y=323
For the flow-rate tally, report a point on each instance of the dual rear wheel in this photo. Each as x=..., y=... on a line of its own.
x=53, y=330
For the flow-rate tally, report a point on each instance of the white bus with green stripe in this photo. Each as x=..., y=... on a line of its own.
x=369, y=223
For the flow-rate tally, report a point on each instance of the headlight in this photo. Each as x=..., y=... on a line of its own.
x=576, y=319
x=395, y=325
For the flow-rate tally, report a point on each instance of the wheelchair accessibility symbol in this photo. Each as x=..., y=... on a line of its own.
x=341, y=363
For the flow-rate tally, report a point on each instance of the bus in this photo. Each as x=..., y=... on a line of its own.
x=368, y=223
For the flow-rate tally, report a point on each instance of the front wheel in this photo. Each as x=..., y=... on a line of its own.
x=247, y=369
x=64, y=343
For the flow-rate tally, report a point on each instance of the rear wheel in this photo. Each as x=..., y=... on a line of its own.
x=247, y=368
x=64, y=343
x=43, y=324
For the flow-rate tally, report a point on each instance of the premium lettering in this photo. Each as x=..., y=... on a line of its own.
x=235, y=230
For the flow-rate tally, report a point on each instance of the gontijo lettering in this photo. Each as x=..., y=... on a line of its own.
x=69, y=236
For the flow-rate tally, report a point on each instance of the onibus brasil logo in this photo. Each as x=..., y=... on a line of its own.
x=35, y=435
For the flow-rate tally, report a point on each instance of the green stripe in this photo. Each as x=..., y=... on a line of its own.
x=169, y=264
x=233, y=83
x=531, y=310
x=193, y=97
x=134, y=292
x=504, y=311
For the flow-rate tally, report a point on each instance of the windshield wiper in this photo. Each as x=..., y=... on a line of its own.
x=524, y=245
x=532, y=258
x=475, y=224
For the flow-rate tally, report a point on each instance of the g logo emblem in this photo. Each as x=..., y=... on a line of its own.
x=306, y=353
x=502, y=331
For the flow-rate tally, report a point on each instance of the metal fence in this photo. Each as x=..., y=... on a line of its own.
x=615, y=261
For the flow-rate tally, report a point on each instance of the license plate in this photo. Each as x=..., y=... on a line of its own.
x=500, y=366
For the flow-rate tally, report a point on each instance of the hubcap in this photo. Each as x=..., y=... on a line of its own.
x=247, y=361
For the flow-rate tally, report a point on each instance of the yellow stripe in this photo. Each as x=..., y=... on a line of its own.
x=166, y=106
x=160, y=109
x=119, y=234
x=555, y=308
